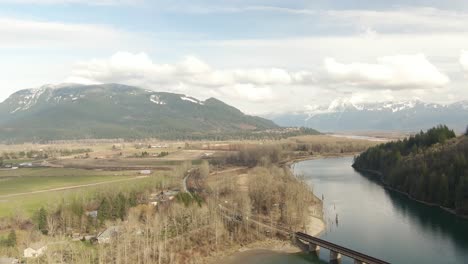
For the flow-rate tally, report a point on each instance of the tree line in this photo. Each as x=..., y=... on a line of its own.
x=430, y=166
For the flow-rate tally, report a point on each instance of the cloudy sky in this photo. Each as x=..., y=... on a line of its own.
x=260, y=56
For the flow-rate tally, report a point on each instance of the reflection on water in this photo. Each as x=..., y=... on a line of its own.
x=453, y=227
x=382, y=223
x=362, y=215
x=261, y=256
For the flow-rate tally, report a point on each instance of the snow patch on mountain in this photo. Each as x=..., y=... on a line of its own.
x=156, y=99
x=191, y=99
x=461, y=105
x=343, y=104
x=29, y=99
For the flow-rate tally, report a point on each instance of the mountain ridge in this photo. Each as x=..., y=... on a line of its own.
x=405, y=116
x=72, y=111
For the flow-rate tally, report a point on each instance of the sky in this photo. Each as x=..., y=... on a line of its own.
x=260, y=56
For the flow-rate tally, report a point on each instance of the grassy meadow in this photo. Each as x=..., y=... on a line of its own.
x=27, y=204
x=23, y=191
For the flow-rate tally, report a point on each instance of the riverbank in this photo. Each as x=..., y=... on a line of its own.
x=269, y=246
x=388, y=187
x=315, y=226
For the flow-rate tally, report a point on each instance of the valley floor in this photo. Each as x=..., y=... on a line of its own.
x=72, y=186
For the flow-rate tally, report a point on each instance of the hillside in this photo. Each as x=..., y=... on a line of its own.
x=406, y=116
x=71, y=111
x=431, y=167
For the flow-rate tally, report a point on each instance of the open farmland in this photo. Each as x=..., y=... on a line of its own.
x=25, y=190
x=120, y=163
x=25, y=195
x=15, y=185
x=51, y=172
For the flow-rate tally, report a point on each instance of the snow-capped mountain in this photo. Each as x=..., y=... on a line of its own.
x=409, y=116
x=71, y=111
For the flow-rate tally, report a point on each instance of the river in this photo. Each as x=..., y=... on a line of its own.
x=362, y=215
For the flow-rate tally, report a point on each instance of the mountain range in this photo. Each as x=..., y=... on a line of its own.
x=72, y=111
x=342, y=115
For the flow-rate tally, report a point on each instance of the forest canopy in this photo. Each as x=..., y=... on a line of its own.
x=429, y=166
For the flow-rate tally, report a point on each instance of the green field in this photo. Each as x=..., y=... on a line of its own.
x=15, y=185
x=34, y=183
x=27, y=204
x=42, y=172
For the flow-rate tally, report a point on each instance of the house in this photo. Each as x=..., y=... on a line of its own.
x=170, y=194
x=145, y=172
x=106, y=236
x=160, y=146
x=5, y=260
x=92, y=214
x=34, y=251
x=25, y=165
x=207, y=154
x=89, y=238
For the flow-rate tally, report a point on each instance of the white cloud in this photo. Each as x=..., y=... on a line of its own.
x=464, y=60
x=407, y=20
x=395, y=72
x=87, y=2
x=20, y=33
x=402, y=20
x=189, y=74
x=216, y=9
x=249, y=92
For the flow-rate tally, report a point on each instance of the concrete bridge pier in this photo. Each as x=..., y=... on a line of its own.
x=335, y=257
x=314, y=248
x=358, y=262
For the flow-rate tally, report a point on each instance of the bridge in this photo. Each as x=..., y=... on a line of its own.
x=304, y=241
x=313, y=244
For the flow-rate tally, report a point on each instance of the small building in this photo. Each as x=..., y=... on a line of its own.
x=25, y=165
x=92, y=214
x=34, y=251
x=76, y=237
x=207, y=154
x=170, y=194
x=89, y=238
x=145, y=172
x=165, y=196
x=6, y=260
x=106, y=236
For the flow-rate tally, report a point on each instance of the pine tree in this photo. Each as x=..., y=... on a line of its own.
x=121, y=206
x=443, y=190
x=42, y=220
x=459, y=193
x=132, y=199
x=104, y=211
x=11, y=240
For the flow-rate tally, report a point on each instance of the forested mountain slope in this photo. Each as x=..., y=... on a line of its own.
x=430, y=167
x=71, y=111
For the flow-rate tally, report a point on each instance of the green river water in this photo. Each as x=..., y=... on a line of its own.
x=362, y=215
